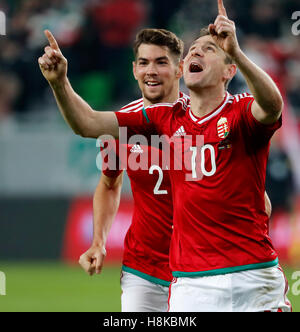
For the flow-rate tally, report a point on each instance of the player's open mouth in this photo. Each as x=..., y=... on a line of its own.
x=195, y=67
x=152, y=83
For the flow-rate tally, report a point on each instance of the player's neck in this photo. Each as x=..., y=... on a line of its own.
x=205, y=101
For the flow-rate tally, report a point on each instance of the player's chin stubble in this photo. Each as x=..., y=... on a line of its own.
x=154, y=99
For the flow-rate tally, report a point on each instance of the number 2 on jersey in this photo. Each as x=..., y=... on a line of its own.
x=156, y=189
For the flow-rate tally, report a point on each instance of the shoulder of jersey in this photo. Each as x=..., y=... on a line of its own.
x=134, y=106
x=238, y=97
x=183, y=101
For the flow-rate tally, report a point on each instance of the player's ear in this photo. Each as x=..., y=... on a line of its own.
x=179, y=72
x=134, y=69
x=230, y=71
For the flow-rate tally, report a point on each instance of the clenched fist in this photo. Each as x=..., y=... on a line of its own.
x=52, y=63
x=92, y=260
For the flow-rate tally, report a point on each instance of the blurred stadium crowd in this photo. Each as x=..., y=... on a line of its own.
x=96, y=37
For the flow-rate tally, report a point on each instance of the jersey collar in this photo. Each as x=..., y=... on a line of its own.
x=211, y=114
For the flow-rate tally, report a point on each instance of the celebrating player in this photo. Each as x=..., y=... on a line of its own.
x=146, y=275
x=221, y=255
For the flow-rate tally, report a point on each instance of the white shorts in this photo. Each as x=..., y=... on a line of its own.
x=141, y=295
x=246, y=291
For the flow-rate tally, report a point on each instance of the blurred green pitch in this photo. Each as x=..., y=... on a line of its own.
x=52, y=287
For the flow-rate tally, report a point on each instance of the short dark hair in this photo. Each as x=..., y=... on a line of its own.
x=228, y=60
x=159, y=37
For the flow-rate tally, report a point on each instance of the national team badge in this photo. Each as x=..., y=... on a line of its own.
x=223, y=128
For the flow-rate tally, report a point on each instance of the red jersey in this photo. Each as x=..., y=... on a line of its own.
x=147, y=242
x=220, y=224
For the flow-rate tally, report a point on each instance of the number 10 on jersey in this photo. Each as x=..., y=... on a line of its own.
x=201, y=164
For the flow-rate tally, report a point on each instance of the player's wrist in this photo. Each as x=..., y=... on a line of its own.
x=59, y=82
x=99, y=245
x=237, y=55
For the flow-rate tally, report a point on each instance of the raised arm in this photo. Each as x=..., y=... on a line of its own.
x=77, y=113
x=268, y=103
x=105, y=206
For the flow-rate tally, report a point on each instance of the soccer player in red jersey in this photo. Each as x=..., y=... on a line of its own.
x=221, y=255
x=146, y=275
x=220, y=252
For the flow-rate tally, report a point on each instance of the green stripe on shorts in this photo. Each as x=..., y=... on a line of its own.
x=178, y=274
x=146, y=276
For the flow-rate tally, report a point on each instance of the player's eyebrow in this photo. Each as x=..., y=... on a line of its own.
x=205, y=44
x=162, y=58
x=192, y=45
x=215, y=46
x=141, y=59
x=211, y=44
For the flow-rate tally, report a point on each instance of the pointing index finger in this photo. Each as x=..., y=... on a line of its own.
x=221, y=8
x=51, y=39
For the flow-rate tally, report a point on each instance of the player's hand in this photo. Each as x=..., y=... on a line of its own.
x=92, y=260
x=224, y=32
x=52, y=63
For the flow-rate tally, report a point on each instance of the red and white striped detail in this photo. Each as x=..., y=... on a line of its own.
x=138, y=104
x=134, y=106
x=240, y=96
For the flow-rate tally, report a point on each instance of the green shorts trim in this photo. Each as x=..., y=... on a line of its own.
x=146, y=276
x=178, y=274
